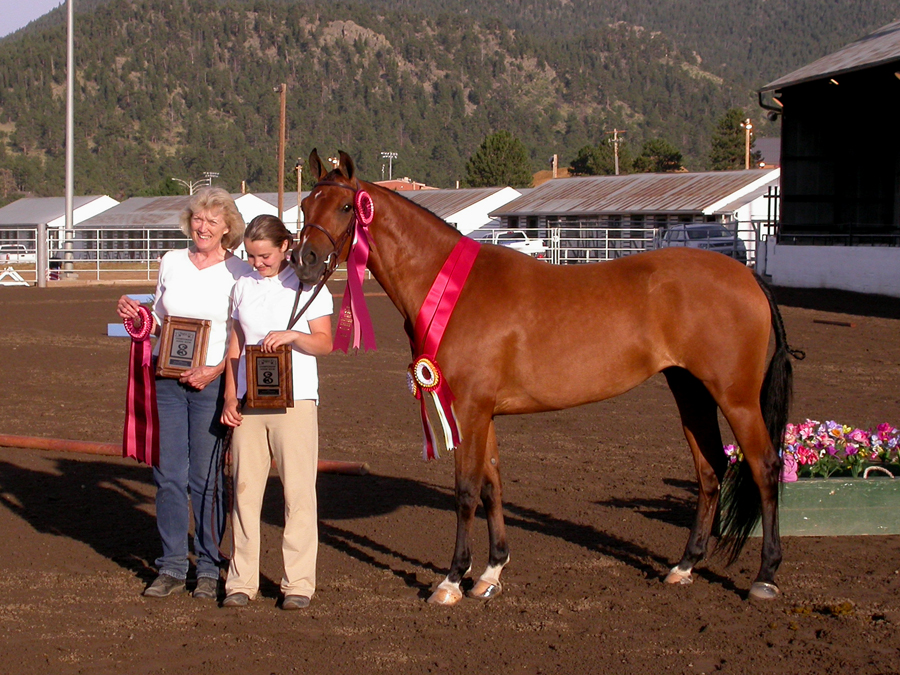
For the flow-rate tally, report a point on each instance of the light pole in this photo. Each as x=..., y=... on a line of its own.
x=390, y=157
x=193, y=185
x=747, y=126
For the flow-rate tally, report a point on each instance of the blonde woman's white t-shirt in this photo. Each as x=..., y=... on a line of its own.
x=185, y=291
x=263, y=304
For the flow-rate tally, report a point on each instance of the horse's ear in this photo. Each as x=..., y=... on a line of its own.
x=316, y=166
x=346, y=165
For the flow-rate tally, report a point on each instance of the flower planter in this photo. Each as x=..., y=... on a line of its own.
x=827, y=507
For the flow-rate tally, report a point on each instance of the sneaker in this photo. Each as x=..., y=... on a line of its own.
x=236, y=600
x=295, y=602
x=164, y=585
x=207, y=588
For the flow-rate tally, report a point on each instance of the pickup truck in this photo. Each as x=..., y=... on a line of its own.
x=517, y=240
x=16, y=254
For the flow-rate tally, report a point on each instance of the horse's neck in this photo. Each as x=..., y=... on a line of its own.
x=408, y=249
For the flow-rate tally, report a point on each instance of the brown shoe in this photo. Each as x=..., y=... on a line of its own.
x=164, y=585
x=207, y=588
x=295, y=602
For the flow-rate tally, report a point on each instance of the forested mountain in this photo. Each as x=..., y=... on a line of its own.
x=178, y=88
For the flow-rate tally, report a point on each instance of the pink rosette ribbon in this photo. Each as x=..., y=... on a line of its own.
x=426, y=378
x=354, y=324
x=141, y=436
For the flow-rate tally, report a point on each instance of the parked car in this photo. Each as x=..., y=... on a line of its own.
x=709, y=236
x=517, y=240
x=16, y=254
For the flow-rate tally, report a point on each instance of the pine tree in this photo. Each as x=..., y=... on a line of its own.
x=501, y=160
x=727, y=151
x=658, y=156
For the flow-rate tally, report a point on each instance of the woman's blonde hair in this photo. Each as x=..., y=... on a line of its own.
x=215, y=199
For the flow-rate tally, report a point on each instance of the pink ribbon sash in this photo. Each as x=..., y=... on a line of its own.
x=354, y=318
x=141, y=437
x=431, y=323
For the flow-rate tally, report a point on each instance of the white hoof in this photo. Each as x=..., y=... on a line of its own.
x=447, y=594
x=679, y=576
x=485, y=590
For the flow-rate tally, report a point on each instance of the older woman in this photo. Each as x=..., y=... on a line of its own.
x=196, y=282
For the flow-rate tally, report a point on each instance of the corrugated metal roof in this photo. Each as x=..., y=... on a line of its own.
x=141, y=212
x=290, y=198
x=880, y=47
x=33, y=211
x=636, y=193
x=444, y=203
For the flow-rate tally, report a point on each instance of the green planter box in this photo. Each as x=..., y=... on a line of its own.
x=828, y=507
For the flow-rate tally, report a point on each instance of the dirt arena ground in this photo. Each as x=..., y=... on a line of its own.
x=598, y=504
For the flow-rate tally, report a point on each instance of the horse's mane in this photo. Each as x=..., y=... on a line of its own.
x=394, y=194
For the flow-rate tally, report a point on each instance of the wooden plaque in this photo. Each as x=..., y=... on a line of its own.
x=270, y=381
x=182, y=345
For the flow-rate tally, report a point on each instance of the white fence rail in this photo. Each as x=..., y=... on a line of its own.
x=96, y=254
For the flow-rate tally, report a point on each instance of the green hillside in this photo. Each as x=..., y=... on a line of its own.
x=175, y=89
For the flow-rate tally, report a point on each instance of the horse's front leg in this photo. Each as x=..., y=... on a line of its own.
x=469, y=465
x=488, y=585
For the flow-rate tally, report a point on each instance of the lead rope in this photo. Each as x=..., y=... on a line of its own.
x=225, y=471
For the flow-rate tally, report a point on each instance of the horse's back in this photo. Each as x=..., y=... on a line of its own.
x=569, y=334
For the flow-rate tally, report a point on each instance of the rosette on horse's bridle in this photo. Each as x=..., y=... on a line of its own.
x=354, y=320
x=425, y=377
x=141, y=437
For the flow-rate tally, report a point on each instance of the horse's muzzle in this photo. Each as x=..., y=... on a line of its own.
x=307, y=263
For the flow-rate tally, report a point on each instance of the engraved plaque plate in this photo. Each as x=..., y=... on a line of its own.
x=182, y=345
x=269, y=378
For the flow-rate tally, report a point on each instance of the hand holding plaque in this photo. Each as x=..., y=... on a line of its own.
x=269, y=377
x=182, y=345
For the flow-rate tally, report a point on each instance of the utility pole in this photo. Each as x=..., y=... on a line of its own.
x=747, y=126
x=282, y=89
x=298, y=167
x=70, y=146
x=615, y=141
x=390, y=157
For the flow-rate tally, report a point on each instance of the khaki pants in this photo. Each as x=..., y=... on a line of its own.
x=292, y=438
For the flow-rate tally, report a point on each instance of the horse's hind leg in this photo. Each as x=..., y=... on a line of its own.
x=699, y=419
x=488, y=585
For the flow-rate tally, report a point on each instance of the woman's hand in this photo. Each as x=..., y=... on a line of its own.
x=201, y=376
x=231, y=413
x=276, y=338
x=127, y=308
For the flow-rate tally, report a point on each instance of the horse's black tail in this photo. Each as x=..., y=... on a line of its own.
x=741, y=505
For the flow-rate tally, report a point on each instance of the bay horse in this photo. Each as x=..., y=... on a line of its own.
x=526, y=336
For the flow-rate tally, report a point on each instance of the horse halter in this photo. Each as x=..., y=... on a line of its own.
x=363, y=212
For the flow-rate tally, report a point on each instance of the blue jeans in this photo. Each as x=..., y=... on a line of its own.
x=189, y=476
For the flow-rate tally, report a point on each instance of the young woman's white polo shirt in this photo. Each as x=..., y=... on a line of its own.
x=263, y=304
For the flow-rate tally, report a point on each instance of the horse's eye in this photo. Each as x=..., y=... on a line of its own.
x=347, y=207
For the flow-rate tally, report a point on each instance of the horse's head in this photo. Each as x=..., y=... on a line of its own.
x=328, y=216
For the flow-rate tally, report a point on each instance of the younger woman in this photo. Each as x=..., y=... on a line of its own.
x=263, y=302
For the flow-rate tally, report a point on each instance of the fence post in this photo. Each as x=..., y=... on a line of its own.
x=42, y=255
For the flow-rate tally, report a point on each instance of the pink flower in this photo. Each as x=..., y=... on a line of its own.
x=789, y=468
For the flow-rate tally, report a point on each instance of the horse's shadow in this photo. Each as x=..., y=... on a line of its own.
x=109, y=507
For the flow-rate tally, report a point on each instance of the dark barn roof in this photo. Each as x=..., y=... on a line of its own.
x=875, y=49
